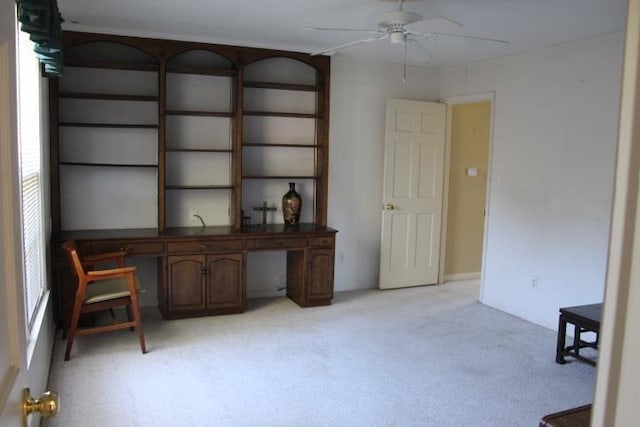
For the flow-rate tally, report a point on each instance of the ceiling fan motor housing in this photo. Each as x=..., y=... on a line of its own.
x=394, y=23
x=398, y=18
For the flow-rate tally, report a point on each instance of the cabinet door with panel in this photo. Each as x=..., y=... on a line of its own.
x=186, y=290
x=224, y=281
x=320, y=275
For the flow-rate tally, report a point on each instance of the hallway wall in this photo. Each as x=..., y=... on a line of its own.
x=468, y=171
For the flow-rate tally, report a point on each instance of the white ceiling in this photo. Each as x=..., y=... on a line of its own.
x=279, y=24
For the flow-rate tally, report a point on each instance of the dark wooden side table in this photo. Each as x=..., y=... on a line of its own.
x=576, y=417
x=585, y=318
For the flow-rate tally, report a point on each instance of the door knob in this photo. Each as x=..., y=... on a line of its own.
x=47, y=405
x=389, y=207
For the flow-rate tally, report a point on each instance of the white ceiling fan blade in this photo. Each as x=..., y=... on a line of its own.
x=461, y=36
x=441, y=18
x=410, y=30
x=404, y=62
x=424, y=49
x=334, y=48
x=358, y=30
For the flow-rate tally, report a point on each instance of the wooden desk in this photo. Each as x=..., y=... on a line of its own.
x=585, y=318
x=202, y=270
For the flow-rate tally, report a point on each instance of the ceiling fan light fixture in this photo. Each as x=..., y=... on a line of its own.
x=397, y=37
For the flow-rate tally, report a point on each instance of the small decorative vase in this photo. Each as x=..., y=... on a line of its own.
x=291, y=206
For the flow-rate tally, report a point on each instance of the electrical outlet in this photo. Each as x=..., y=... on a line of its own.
x=192, y=215
x=340, y=258
x=534, y=282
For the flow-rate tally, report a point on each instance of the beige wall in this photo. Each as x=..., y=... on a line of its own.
x=466, y=204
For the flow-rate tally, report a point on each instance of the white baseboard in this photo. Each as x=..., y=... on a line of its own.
x=461, y=276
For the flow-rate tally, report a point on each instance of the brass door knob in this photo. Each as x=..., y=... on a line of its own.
x=389, y=207
x=47, y=405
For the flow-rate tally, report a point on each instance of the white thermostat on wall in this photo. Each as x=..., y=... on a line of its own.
x=472, y=171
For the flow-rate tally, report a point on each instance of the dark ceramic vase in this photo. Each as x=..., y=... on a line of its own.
x=291, y=206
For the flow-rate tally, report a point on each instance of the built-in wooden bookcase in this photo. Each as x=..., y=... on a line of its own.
x=107, y=105
x=148, y=136
x=150, y=133
x=198, y=147
x=280, y=118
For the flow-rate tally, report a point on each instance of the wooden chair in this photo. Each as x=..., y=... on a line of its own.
x=100, y=290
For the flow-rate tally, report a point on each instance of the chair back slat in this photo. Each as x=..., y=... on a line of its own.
x=71, y=250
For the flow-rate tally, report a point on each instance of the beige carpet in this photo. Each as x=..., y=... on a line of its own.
x=428, y=356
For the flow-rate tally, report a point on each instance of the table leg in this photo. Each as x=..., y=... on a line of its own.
x=576, y=340
x=562, y=335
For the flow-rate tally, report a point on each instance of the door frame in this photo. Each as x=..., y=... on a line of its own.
x=25, y=359
x=10, y=307
x=450, y=102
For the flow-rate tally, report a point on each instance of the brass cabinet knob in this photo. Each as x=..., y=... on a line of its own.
x=47, y=405
x=389, y=207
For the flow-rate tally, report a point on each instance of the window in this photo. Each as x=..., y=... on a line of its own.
x=29, y=146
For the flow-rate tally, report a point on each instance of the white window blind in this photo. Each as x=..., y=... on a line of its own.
x=29, y=146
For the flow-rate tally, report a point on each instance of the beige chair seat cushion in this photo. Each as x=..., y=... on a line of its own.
x=105, y=290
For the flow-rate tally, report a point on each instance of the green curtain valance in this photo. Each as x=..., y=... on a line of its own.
x=42, y=21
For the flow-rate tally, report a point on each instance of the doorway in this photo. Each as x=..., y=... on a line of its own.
x=466, y=188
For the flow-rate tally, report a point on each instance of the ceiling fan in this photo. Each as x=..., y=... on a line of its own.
x=394, y=26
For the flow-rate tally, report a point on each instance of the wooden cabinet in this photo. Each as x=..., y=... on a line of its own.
x=310, y=276
x=202, y=271
x=200, y=284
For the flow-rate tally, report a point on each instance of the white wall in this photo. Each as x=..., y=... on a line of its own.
x=555, y=135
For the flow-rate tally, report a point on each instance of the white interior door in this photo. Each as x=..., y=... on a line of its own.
x=412, y=193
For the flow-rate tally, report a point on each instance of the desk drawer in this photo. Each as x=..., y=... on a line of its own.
x=324, y=242
x=131, y=248
x=205, y=246
x=277, y=243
